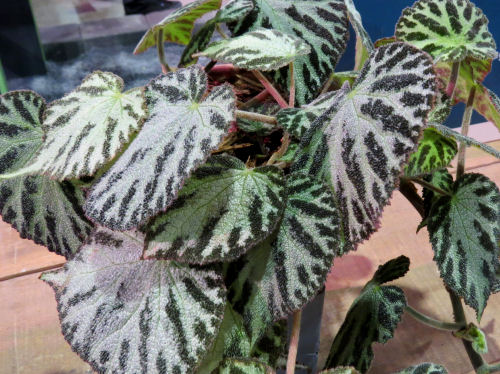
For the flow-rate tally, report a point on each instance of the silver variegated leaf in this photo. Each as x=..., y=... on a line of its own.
x=261, y=49
x=434, y=152
x=181, y=131
x=87, y=127
x=124, y=315
x=323, y=24
x=449, y=30
x=424, y=368
x=223, y=210
x=298, y=120
x=242, y=365
x=372, y=317
x=464, y=230
x=40, y=209
x=234, y=10
x=361, y=142
x=178, y=25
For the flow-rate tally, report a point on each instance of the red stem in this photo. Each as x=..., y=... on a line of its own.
x=273, y=91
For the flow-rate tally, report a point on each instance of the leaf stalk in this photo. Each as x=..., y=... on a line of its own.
x=447, y=326
x=161, y=53
x=450, y=89
x=272, y=90
x=256, y=117
x=430, y=186
x=294, y=343
x=465, y=129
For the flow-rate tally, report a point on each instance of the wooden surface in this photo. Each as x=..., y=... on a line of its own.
x=31, y=342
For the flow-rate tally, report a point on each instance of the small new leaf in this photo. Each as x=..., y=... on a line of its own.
x=181, y=131
x=261, y=49
x=424, y=368
x=448, y=30
x=464, y=231
x=475, y=335
x=121, y=314
x=223, y=210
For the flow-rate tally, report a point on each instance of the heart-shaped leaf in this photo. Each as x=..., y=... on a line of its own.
x=246, y=366
x=234, y=10
x=121, y=314
x=372, y=317
x=424, y=368
x=261, y=49
x=434, y=152
x=464, y=230
x=87, y=127
x=447, y=29
x=42, y=210
x=323, y=24
x=146, y=178
x=361, y=142
x=364, y=44
x=178, y=25
x=223, y=210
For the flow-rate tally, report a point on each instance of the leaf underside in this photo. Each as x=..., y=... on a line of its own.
x=322, y=24
x=178, y=25
x=223, y=210
x=464, y=230
x=449, y=30
x=424, y=368
x=124, y=315
x=146, y=178
x=360, y=143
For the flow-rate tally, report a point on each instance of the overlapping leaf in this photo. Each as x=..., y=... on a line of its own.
x=364, y=44
x=424, y=368
x=261, y=49
x=181, y=131
x=121, y=314
x=464, y=230
x=322, y=24
x=341, y=370
x=178, y=25
x=260, y=128
x=198, y=42
x=233, y=365
x=234, y=10
x=42, y=210
x=434, y=152
x=372, y=317
x=449, y=30
x=87, y=127
x=223, y=210
x=361, y=142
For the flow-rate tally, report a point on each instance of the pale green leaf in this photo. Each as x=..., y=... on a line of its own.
x=261, y=49
x=234, y=10
x=223, y=210
x=372, y=317
x=121, y=314
x=181, y=131
x=323, y=24
x=475, y=335
x=360, y=143
x=442, y=108
x=449, y=30
x=178, y=25
x=434, y=152
x=424, y=368
x=464, y=230
x=242, y=365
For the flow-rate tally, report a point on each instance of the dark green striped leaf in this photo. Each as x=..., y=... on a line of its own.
x=178, y=25
x=198, y=42
x=234, y=10
x=147, y=177
x=434, y=152
x=360, y=143
x=442, y=108
x=372, y=317
x=223, y=210
x=121, y=314
x=87, y=127
x=261, y=49
x=424, y=368
x=449, y=30
x=40, y=209
x=464, y=230
x=496, y=282
x=322, y=24
x=242, y=365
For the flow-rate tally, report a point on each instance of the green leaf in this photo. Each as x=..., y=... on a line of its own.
x=340, y=370
x=496, y=282
x=443, y=180
x=474, y=334
x=198, y=42
x=223, y=210
x=449, y=30
x=364, y=44
x=464, y=230
x=87, y=128
x=360, y=143
x=424, y=368
x=372, y=317
x=234, y=10
x=434, y=152
x=40, y=209
x=246, y=366
x=147, y=177
x=442, y=108
x=322, y=24
x=260, y=128
x=178, y=25
x=121, y=314
x=261, y=49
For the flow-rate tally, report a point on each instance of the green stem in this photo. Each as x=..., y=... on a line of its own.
x=161, y=53
x=465, y=129
x=256, y=117
x=493, y=368
x=448, y=326
x=429, y=186
x=221, y=32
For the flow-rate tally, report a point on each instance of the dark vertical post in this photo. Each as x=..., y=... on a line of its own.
x=3, y=81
